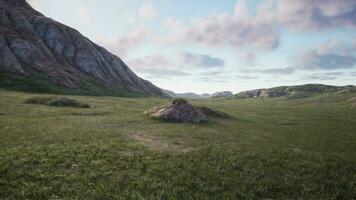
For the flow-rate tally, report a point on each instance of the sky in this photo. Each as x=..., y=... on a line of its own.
x=204, y=46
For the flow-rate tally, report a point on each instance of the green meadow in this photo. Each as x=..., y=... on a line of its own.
x=269, y=148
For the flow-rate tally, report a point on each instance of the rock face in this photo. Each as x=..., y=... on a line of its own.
x=222, y=94
x=32, y=43
x=181, y=111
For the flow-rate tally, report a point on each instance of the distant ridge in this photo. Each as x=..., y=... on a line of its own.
x=37, y=52
x=299, y=91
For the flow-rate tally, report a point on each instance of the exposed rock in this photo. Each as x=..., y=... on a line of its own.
x=181, y=111
x=222, y=94
x=32, y=43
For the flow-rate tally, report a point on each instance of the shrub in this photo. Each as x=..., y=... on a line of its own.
x=59, y=102
x=39, y=100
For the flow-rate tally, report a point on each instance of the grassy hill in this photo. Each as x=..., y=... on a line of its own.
x=296, y=92
x=270, y=148
x=39, y=83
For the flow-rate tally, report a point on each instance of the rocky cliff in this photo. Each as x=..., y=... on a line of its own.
x=31, y=43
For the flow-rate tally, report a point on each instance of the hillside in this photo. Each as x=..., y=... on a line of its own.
x=188, y=95
x=270, y=148
x=299, y=91
x=55, y=57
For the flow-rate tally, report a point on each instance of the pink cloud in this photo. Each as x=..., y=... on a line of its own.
x=122, y=45
x=238, y=30
x=316, y=14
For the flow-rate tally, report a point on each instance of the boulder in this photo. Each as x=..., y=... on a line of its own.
x=181, y=111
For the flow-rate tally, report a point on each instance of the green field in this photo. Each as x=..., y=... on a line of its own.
x=270, y=148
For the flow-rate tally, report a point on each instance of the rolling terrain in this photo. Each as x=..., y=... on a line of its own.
x=270, y=148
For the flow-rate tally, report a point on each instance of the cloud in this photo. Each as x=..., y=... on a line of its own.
x=325, y=76
x=328, y=56
x=201, y=60
x=155, y=73
x=171, y=23
x=149, y=61
x=156, y=66
x=280, y=71
x=316, y=14
x=246, y=77
x=287, y=70
x=123, y=44
x=224, y=78
x=84, y=13
x=236, y=30
x=147, y=11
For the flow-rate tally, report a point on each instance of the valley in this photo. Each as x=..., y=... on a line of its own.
x=274, y=148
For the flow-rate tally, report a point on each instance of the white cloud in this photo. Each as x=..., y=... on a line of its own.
x=173, y=23
x=84, y=13
x=201, y=60
x=316, y=14
x=122, y=45
x=238, y=30
x=147, y=11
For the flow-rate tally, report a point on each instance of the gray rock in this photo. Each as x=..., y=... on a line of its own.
x=181, y=111
x=32, y=43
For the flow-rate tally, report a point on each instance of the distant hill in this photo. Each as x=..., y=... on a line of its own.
x=188, y=95
x=42, y=55
x=222, y=94
x=299, y=91
x=191, y=95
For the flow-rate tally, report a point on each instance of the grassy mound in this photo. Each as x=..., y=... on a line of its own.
x=213, y=113
x=180, y=101
x=42, y=84
x=55, y=101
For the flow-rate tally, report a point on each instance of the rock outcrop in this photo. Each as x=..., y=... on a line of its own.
x=181, y=111
x=31, y=43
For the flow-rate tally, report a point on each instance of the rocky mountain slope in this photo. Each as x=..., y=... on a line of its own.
x=299, y=91
x=32, y=45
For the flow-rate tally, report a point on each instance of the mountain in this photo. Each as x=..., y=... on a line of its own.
x=191, y=95
x=36, y=50
x=299, y=91
x=222, y=94
x=188, y=95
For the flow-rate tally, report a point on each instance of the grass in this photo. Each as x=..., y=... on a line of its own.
x=270, y=148
x=42, y=84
